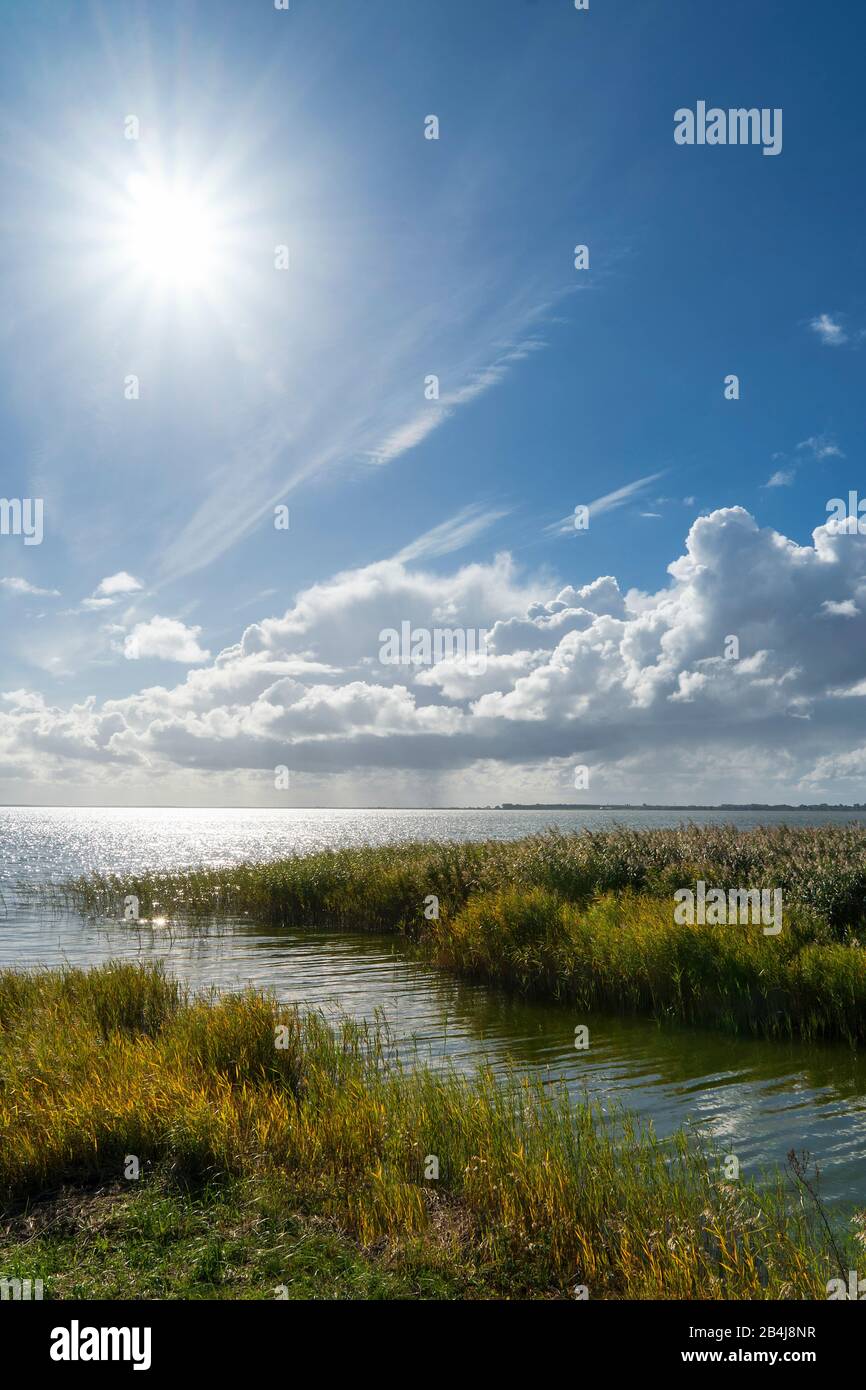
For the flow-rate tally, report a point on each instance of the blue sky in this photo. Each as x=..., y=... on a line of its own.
x=558, y=387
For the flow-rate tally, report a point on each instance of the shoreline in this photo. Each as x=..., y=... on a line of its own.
x=219, y=1148
x=589, y=919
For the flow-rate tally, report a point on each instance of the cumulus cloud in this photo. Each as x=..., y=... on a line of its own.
x=120, y=583
x=639, y=686
x=109, y=590
x=165, y=639
x=845, y=608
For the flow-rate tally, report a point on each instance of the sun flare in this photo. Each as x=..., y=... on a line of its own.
x=169, y=233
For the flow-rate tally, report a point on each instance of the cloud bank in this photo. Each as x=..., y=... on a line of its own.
x=642, y=688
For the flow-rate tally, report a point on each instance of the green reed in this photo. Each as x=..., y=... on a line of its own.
x=586, y=917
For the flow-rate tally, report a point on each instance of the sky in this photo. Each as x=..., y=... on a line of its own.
x=280, y=374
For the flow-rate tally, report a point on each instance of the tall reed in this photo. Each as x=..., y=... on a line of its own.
x=585, y=917
x=114, y=1062
x=821, y=870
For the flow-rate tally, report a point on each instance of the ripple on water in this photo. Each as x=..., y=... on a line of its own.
x=758, y=1098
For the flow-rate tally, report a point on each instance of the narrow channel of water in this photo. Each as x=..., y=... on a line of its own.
x=758, y=1099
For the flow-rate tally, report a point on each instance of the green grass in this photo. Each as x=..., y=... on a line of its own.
x=587, y=918
x=231, y=1240
x=305, y=1165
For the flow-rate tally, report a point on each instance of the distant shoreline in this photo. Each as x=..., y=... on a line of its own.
x=672, y=806
x=505, y=806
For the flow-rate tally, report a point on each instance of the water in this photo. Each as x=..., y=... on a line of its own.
x=757, y=1099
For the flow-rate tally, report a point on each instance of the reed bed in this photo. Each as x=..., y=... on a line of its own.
x=581, y=917
x=821, y=870
x=542, y=1195
x=624, y=952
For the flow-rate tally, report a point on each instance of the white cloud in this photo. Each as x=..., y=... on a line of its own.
x=608, y=503
x=635, y=685
x=120, y=583
x=820, y=447
x=817, y=446
x=413, y=431
x=845, y=608
x=337, y=415
x=23, y=586
x=453, y=534
x=164, y=639
x=109, y=590
x=829, y=330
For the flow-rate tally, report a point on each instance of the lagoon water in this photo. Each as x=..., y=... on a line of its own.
x=757, y=1099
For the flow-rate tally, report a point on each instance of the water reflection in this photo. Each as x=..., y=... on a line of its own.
x=757, y=1098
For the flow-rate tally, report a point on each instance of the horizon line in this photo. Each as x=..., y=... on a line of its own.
x=503, y=806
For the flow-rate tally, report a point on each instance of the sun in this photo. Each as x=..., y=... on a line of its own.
x=168, y=233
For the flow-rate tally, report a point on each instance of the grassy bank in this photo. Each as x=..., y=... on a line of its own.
x=305, y=1165
x=625, y=952
x=585, y=918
